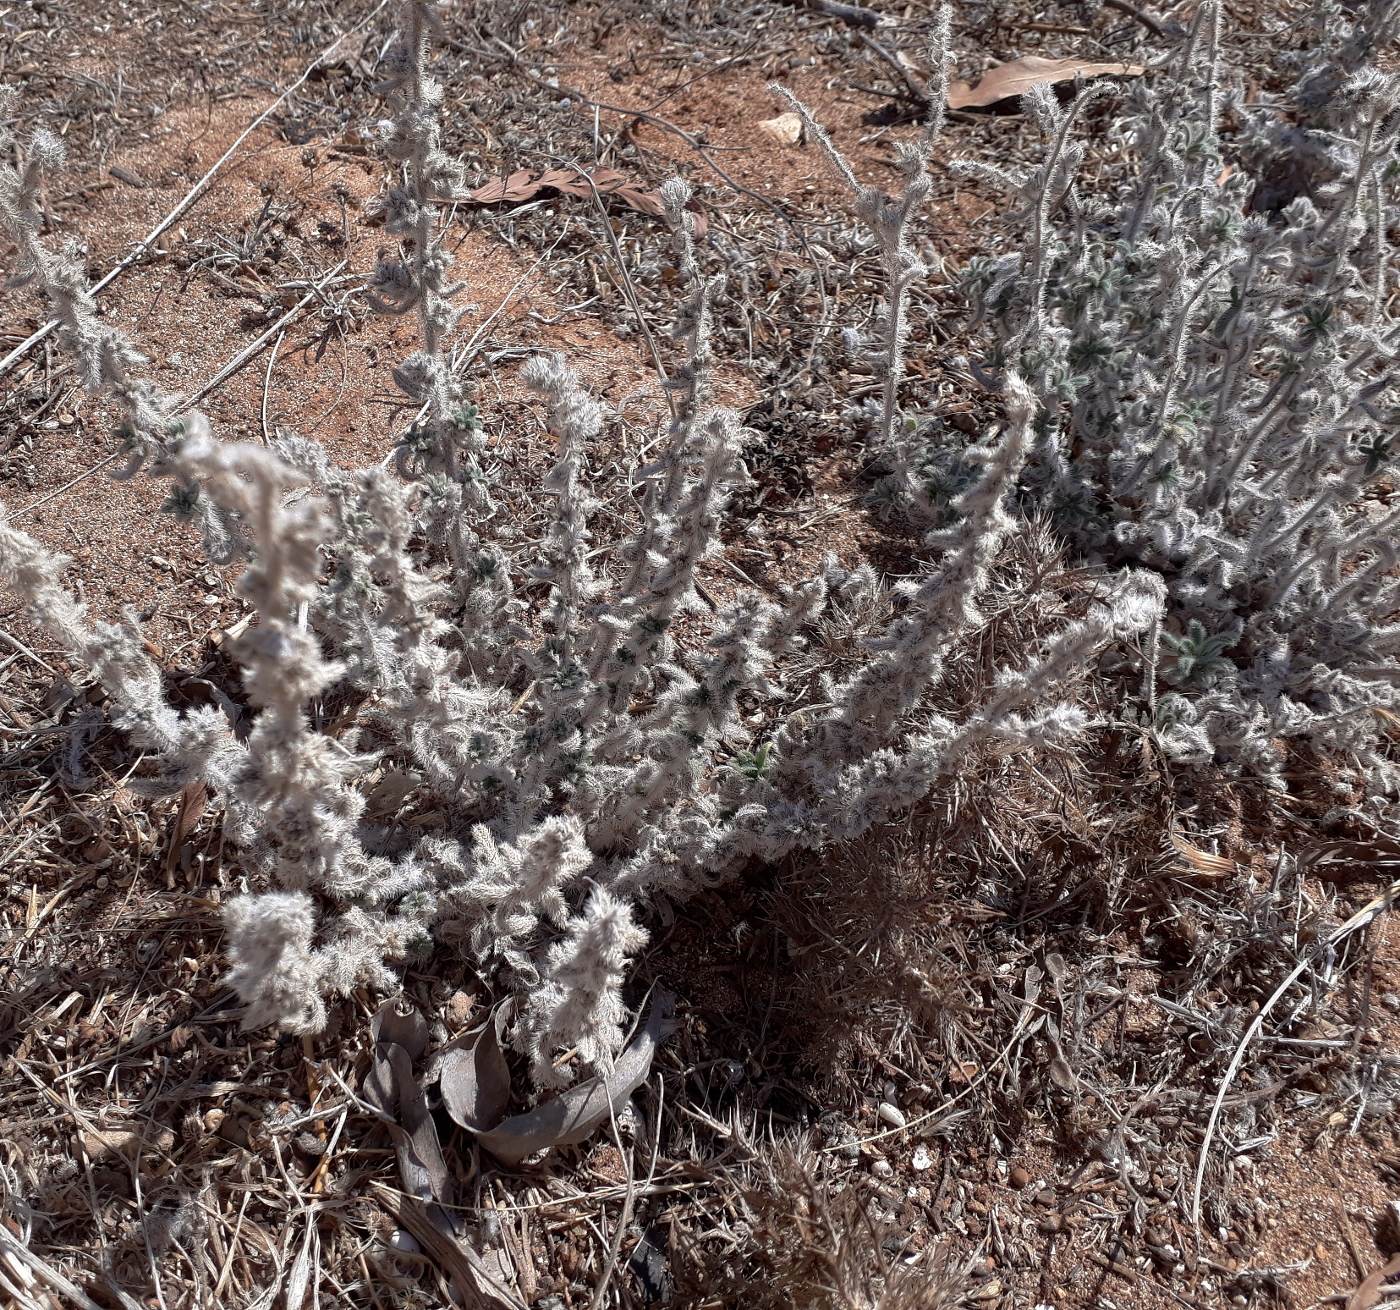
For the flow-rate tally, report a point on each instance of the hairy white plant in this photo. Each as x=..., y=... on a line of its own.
x=1217, y=390
x=564, y=758
x=890, y=220
x=272, y=964
x=579, y=1009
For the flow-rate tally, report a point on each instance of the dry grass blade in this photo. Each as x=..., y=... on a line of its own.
x=1202, y=863
x=1341, y=861
x=19, y=1257
x=469, y=1275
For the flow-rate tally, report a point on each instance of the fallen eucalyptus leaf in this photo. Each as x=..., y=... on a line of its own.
x=1006, y=81
x=391, y=1087
x=573, y=1115
x=523, y=185
x=473, y=1077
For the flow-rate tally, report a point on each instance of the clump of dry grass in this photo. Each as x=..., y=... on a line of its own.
x=802, y=1241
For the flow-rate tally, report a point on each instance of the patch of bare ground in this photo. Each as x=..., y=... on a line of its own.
x=989, y=1038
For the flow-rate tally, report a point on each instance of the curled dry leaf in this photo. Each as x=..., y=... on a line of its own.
x=401, y=1037
x=523, y=185
x=573, y=1115
x=1060, y=1070
x=391, y=1086
x=473, y=1077
x=402, y=1025
x=1006, y=81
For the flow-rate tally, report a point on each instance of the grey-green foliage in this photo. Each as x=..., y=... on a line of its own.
x=557, y=779
x=1216, y=388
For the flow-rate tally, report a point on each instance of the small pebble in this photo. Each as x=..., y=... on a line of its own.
x=891, y=1114
x=1019, y=1177
x=922, y=1159
x=881, y=1168
x=404, y=1243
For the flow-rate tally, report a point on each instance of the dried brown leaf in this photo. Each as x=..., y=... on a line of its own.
x=401, y=1024
x=574, y=1114
x=473, y=1077
x=1062, y=1075
x=194, y=800
x=521, y=186
x=1368, y=1292
x=1006, y=81
x=400, y=1037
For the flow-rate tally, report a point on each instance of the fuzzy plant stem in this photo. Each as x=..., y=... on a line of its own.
x=889, y=221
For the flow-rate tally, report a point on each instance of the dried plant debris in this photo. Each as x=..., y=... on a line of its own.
x=1013, y=80
x=583, y=183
